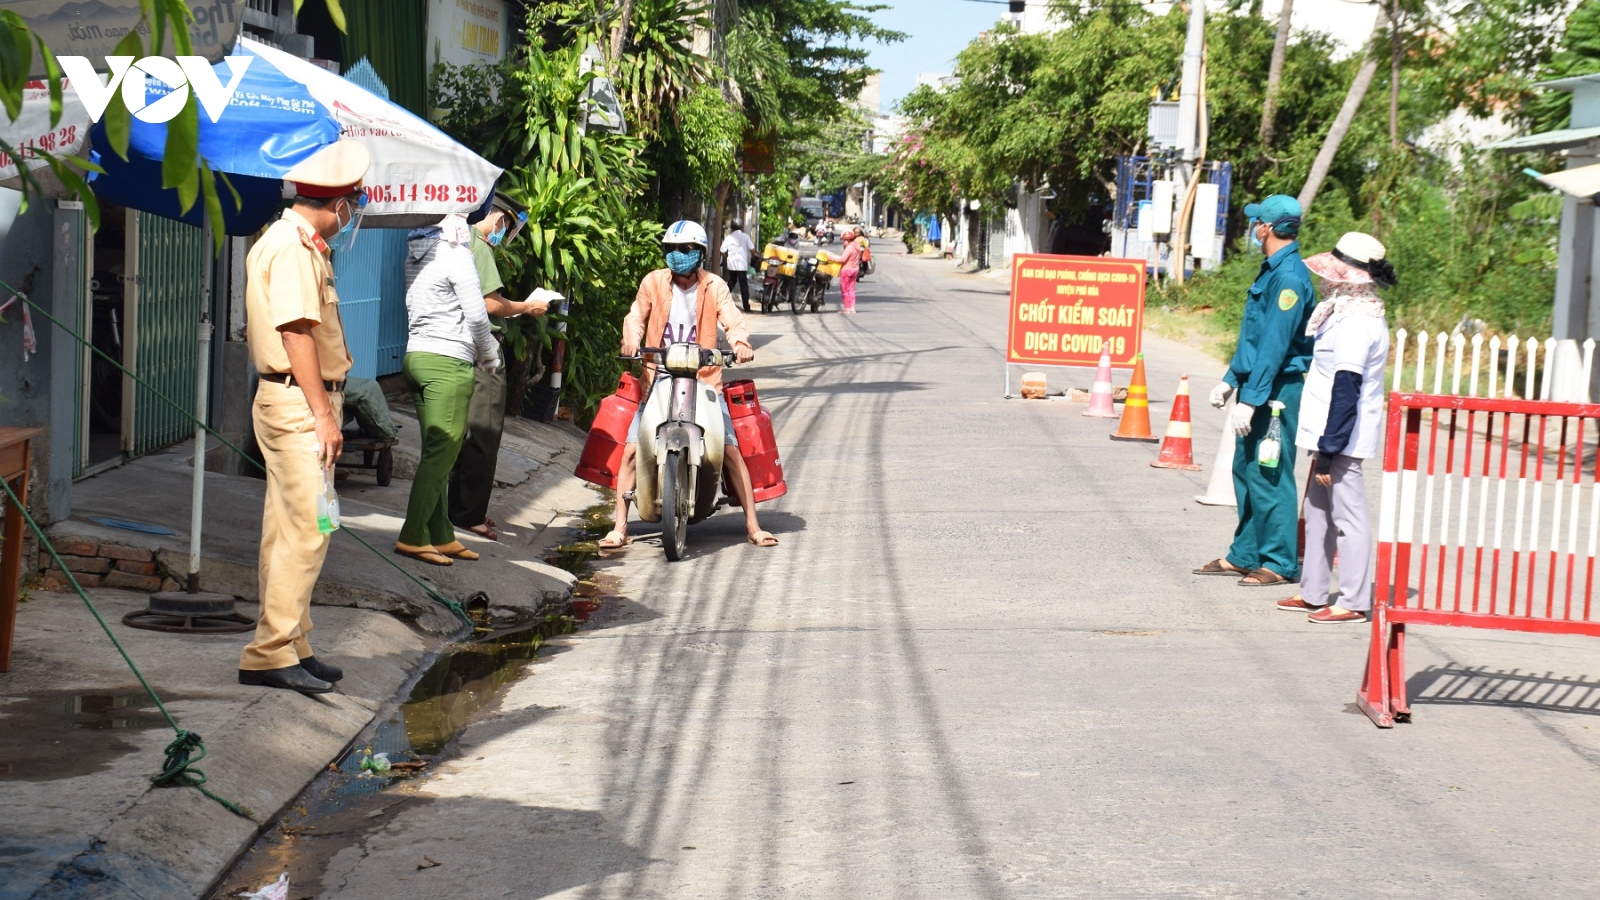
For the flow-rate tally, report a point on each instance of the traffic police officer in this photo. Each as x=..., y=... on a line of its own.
x=1270, y=364
x=298, y=347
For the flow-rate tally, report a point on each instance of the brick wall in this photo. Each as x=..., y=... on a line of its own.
x=106, y=565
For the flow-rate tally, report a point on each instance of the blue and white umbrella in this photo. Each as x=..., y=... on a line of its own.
x=284, y=110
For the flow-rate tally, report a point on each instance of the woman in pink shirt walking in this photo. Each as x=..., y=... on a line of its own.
x=850, y=271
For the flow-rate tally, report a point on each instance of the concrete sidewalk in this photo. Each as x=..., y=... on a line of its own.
x=78, y=817
x=536, y=487
x=81, y=739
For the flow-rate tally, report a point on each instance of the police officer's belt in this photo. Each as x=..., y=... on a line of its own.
x=287, y=380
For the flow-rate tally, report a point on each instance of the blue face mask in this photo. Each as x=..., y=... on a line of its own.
x=1255, y=239
x=498, y=236
x=683, y=262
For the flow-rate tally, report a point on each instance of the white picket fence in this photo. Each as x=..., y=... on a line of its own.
x=1566, y=366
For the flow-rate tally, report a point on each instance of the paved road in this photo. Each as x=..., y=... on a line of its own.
x=977, y=667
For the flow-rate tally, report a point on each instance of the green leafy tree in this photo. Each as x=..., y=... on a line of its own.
x=825, y=42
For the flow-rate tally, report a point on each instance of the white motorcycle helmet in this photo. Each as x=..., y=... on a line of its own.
x=685, y=232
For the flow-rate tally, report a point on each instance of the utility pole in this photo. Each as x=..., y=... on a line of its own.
x=1194, y=51
x=1189, y=96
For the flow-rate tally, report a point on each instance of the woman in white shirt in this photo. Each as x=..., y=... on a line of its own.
x=1341, y=421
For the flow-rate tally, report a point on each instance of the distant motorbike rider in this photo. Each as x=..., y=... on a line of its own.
x=685, y=303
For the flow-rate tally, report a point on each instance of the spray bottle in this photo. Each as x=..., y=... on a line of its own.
x=1271, y=447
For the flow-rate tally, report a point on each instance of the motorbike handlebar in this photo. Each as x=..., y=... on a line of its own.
x=728, y=359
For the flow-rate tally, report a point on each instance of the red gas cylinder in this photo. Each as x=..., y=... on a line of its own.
x=753, y=427
x=602, y=452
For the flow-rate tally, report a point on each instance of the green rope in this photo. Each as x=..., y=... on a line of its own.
x=185, y=750
x=181, y=753
x=437, y=597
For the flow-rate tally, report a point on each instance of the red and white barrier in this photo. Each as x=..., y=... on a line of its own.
x=1490, y=518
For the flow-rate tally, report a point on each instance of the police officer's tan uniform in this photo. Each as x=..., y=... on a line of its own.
x=289, y=278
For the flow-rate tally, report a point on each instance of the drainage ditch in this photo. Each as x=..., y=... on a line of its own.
x=390, y=764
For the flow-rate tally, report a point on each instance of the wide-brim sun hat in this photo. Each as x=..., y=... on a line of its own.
x=1350, y=260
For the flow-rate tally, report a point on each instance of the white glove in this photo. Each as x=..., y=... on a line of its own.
x=1240, y=420
x=1220, y=394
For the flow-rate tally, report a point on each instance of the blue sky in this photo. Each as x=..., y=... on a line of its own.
x=938, y=30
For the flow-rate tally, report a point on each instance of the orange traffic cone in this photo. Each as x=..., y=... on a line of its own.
x=1136, y=409
x=1100, y=398
x=1177, y=449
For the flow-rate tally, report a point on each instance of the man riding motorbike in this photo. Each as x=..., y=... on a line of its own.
x=685, y=303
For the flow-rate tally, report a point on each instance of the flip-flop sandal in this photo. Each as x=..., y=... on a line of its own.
x=427, y=554
x=456, y=550
x=763, y=539
x=614, y=540
x=1264, y=578
x=1220, y=566
x=486, y=530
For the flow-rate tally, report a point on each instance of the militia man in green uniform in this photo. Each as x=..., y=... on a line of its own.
x=472, y=477
x=1269, y=366
x=298, y=347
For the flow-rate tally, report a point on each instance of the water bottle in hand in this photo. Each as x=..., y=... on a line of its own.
x=327, y=500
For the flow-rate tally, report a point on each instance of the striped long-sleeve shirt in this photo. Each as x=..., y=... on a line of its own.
x=444, y=301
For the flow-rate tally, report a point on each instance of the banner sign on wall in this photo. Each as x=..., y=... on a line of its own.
x=93, y=28
x=1064, y=309
x=469, y=32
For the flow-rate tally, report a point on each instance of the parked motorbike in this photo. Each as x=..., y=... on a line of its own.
x=778, y=268
x=681, y=445
x=800, y=289
x=828, y=268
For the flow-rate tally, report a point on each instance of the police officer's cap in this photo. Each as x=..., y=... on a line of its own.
x=506, y=204
x=1274, y=209
x=334, y=171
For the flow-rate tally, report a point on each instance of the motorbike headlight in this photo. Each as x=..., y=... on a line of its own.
x=683, y=359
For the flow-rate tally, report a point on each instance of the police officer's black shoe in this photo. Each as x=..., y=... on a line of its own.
x=319, y=669
x=293, y=678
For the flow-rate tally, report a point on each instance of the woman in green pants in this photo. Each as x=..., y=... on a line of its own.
x=448, y=336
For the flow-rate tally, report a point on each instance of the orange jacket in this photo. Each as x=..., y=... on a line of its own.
x=647, y=320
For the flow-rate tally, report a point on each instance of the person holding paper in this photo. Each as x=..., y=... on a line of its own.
x=472, y=478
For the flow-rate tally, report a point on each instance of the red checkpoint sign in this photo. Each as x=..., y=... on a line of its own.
x=1064, y=309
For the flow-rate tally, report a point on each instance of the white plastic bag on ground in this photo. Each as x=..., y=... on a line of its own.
x=278, y=890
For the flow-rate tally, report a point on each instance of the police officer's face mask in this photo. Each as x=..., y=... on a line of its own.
x=498, y=236
x=1256, y=242
x=345, y=240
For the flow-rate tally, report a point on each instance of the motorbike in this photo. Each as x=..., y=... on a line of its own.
x=681, y=444
x=778, y=268
x=803, y=285
x=827, y=268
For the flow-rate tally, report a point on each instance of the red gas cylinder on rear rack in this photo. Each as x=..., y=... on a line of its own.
x=602, y=452
x=757, y=445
